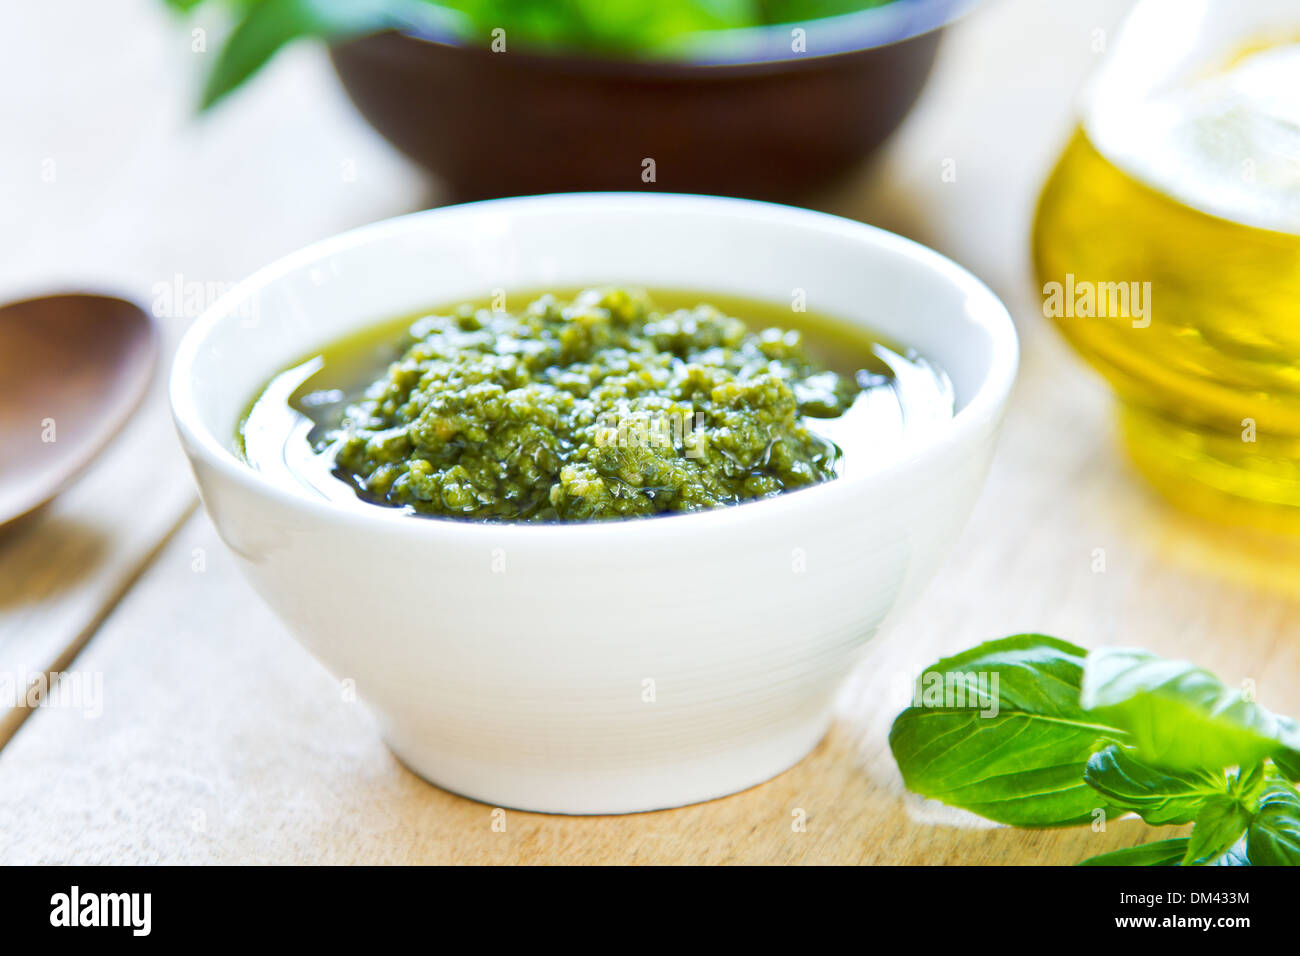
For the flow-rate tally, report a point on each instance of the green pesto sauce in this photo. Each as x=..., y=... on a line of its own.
x=596, y=405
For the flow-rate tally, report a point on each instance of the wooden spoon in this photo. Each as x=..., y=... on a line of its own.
x=72, y=369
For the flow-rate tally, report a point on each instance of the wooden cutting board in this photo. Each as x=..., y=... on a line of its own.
x=221, y=740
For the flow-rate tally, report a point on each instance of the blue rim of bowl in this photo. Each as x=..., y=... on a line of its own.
x=749, y=46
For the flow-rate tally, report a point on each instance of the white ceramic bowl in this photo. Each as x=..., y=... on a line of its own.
x=604, y=667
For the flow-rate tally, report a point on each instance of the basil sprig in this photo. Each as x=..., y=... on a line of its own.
x=1034, y=731
x=624, y=28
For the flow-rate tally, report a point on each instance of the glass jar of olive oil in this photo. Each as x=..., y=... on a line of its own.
x=1167, y=243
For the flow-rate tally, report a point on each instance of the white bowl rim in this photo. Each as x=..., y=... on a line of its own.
x=984, y=406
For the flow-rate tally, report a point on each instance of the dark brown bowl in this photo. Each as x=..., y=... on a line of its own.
x=753, y=119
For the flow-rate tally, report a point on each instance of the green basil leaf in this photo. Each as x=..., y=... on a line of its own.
x=618, y=27
x=998, y=730
x=1235, y=856
x=1288, y=763
x=1180, y=716
x=1287, y=757
x=1158, y=797
x=1274, y=837
x=801, y=11
x=270, y=24
x=632, y=27
x=621, y=27
x=1221, y=823
x=1158, y=853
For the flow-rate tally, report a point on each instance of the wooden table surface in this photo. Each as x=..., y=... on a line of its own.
x=217, y=739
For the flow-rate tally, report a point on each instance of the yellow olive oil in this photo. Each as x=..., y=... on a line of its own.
x=1190, y=207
